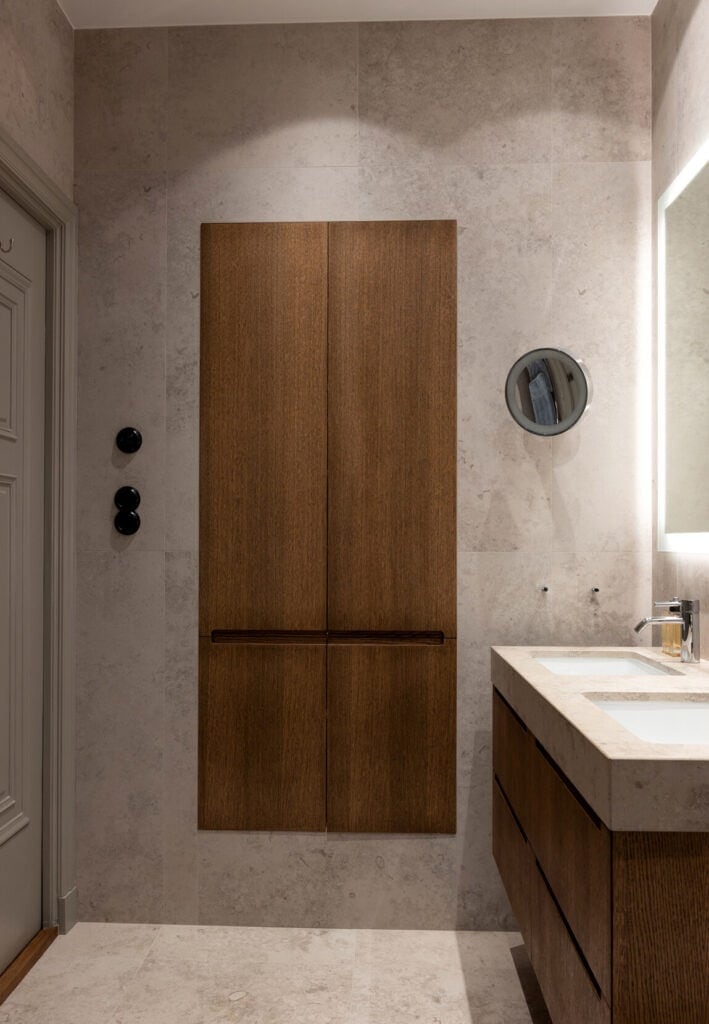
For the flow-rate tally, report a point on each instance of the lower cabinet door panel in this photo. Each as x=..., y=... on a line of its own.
x=392, y=738
x=514, y=859
x=512, y=752
x=262, y=736
x=574, y=849
x=569, y=992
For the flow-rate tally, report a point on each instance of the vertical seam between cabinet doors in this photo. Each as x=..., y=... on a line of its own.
x=327, y=523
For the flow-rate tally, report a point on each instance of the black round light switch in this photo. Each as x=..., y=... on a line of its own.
x=129, y=440
x=127, y=522
x=126, y=499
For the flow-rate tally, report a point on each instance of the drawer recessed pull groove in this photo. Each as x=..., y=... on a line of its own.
x=356, y=636
x=580, y=799
x=323, y=636
x=572, y=937
x=268, y=636
x=511, y=809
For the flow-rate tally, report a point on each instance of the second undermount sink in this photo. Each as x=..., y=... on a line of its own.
x=601, y=663
x=659, y=720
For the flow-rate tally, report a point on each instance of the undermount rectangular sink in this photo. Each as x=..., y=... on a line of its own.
x=601, y=663
x=659, y=720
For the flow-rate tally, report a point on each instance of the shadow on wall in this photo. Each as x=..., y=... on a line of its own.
x=456, y=91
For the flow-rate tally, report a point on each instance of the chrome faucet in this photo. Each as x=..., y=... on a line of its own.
x=688, y=619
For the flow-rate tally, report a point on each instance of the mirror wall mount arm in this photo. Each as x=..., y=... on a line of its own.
x=667, y=540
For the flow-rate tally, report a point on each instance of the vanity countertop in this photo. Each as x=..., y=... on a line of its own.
x=632, y=784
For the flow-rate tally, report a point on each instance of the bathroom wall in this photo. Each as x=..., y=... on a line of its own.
x=680, y=85
x=535, y=135
x=37, y=84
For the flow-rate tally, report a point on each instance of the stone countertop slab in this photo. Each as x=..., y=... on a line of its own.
x=632, y=785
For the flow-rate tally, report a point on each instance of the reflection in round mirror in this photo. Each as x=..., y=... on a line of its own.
x=547, y=391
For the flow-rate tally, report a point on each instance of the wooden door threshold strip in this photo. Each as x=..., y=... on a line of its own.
x=311, y=636
x=25, y=961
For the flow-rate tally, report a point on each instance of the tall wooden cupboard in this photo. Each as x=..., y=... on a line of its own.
x=327, y=527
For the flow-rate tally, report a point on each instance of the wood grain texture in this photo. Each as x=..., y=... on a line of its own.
x=392, y=426
x=568, y=989
x=262, y=737
x=25, y=961
x=515, y=860
x=574, y=850
x=263, y=402
x=512, y=752
x=392, y=738
x=660, y=928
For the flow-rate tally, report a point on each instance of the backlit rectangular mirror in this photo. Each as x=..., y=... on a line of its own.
x=683, y=360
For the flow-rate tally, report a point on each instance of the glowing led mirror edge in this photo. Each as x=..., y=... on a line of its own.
x=677, y=542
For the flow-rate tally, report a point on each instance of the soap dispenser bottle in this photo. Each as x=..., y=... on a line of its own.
x=671, y=631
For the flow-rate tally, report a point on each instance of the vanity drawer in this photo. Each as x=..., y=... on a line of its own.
x=573, y=848
x=512, y=746
x=514, y=860
x=568, y=987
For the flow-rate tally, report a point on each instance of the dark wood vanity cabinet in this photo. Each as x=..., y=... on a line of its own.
x=616, y=924
x=327, y=526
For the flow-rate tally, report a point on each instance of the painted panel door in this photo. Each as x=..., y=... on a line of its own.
x=392, y=426
x=262, y=736
x=391, y=747
x=22, y=285
x=263, y=419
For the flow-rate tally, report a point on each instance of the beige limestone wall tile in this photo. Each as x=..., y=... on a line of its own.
x=37, y=85
x=263, y=95
x=665, y=94
x=624, y=580
x=601, y=312
x=327, y=881
x=601, y=89
x=437, y=93
x=179, y=768
x=500, y=600
x=120, y=756
x=692, y=80
x=121, y=100
x=122, y=323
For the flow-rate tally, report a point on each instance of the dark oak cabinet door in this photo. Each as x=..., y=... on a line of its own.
x=263, y=423
x=392, y=426
x=391, y=738
x=262, y=736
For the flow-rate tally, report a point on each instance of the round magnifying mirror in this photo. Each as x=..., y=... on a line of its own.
x=547, y=391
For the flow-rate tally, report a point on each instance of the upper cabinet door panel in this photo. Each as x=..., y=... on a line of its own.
x=392, y=426
x=263, y=456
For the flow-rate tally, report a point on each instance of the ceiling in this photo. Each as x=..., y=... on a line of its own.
x=128, y=13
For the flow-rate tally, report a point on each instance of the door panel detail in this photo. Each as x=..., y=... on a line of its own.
x=391, y=738
x=262, y=427
x=12, y=816
x=12, y=319
x=392, y=426
x=262, y=736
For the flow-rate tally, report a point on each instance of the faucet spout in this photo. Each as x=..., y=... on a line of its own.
x=659, y=620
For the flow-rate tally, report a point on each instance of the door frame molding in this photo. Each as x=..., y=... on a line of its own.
x=25, y=182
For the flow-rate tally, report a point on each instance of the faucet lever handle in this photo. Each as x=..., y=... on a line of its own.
x=674, y=604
